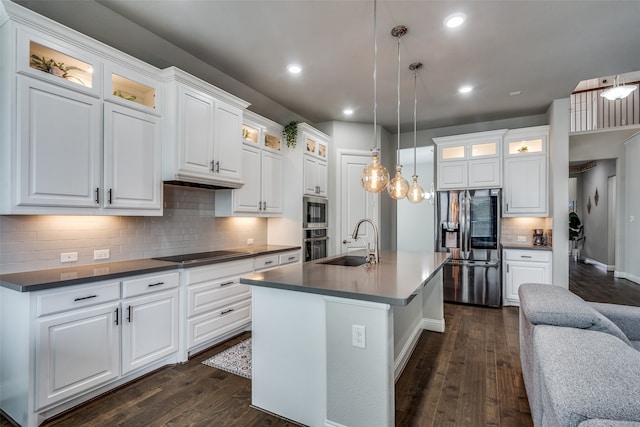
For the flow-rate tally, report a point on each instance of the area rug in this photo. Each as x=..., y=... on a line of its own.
x=236, y=359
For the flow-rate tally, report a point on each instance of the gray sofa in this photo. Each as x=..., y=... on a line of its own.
x=580, y=360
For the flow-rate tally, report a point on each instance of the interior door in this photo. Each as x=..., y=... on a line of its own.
x=354, y=202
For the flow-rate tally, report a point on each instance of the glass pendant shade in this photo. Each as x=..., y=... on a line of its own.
x=618, y=92
x=374, y=177
x=398, y=187
x=416, y=193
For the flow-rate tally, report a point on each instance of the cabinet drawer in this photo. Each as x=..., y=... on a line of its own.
x=77, y=297
x=146, y=284
x=269, y=261
x=289, y=258
x=525, y=255
x=210, y=326
x=208, y=296
x=218, y=271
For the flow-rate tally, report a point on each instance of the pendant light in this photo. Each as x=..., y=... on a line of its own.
x=398, y=186
x=617, y=91
x=375, y=177
x=416, y=192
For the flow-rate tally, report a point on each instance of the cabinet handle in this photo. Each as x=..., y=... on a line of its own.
x=97, y=195
x=117, y=316
x=268, y=262
x=230, y=282
x=84, y=298
x=218, y=166
x=129, y=314
x=155, y=284
x=507, y=268
x=525, y=256
x=226, y=311
x=507, y=207
x=110, y=193
x=264, y=205
x=291, y=258
x=211, y=168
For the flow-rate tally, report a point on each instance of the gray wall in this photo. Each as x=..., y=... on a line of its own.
x=631, y=221
x=596, y=222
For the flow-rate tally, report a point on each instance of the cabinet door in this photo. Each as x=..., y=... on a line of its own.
x=321, y=178
x=227, y=155
x=518, y=273
x=310, y=172
x=526, y=186
x=76, y=351
x=272, y=182
x=195, y=130
x=484, y=173
x=452, y=175
x=59, y=140
x=149, y=329
x=132, y=159
x=247, y=198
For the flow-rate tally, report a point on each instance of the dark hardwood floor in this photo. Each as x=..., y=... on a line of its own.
x=468, y=376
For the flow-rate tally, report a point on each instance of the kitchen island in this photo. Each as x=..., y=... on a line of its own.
x=329, y=341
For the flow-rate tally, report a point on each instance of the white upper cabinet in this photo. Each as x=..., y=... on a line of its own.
x=203, y=132
x=261, y=194
x=72, y=136
x=470, y=160
x=316, y=151
x=525, y=171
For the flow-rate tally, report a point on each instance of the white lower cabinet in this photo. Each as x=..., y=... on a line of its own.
x=217, y=304
x=72, y=343
x=149, y=320
x=524, y=266
x=77, y=350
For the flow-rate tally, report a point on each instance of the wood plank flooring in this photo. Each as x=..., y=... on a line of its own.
x=468, y=376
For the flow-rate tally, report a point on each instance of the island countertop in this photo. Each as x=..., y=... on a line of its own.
x=394, y=280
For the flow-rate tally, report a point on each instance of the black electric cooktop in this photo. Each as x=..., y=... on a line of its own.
x=199, y=256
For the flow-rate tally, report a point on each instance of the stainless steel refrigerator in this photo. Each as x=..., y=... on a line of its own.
x=468, y=226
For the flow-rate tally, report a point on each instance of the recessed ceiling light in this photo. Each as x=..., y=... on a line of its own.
x=347, y=111
x=515, y=93
x=465, y=89
x=294, y=68
x=455, y=20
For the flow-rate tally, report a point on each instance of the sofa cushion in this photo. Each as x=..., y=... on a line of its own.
x=556, y=306
x=592, y=375
x=609, y=423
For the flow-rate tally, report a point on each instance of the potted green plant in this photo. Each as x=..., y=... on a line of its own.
x=290, y=134
x=50, y=66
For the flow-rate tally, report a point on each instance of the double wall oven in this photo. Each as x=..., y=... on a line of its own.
x=314, y=224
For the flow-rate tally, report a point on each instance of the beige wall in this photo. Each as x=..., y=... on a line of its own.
x=35, y=242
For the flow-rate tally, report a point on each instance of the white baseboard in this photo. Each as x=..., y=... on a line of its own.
x=405, y=354
x=628, y=276
x=435, y=325
x=598, y=264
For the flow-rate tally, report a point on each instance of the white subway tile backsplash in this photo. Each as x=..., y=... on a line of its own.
x=34, y=242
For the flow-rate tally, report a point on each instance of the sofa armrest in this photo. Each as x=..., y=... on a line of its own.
x=627, y=318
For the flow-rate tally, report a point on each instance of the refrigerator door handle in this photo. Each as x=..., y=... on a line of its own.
x=463, y=225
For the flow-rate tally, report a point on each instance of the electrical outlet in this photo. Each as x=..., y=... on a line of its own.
x=250, y=241
x=101, y=254
x=69, y=257
x=522, y=239
x=358, y=336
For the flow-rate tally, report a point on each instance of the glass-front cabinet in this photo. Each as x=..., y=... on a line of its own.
x=261, y=193
x=525, y=172
x=470, y=160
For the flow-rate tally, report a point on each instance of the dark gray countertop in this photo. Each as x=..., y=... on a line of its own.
x=31, y=281
x=394, y=280
x=513, y=245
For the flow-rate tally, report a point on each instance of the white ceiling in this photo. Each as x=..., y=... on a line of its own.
x=541, y=48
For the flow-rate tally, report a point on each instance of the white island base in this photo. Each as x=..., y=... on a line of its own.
x=306, y=369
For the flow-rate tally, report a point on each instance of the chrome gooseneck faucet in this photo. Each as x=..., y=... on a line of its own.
x=372, y=257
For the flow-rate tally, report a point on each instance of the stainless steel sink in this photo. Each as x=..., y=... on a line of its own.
x=346, y=261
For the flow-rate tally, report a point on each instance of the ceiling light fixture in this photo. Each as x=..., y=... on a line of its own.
x=465, y=89
x=398, y=186
x=374, y=177
x=416, y=192
x=455, y=20
x=617, y=91
x=294, y=68
x=347, y=111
